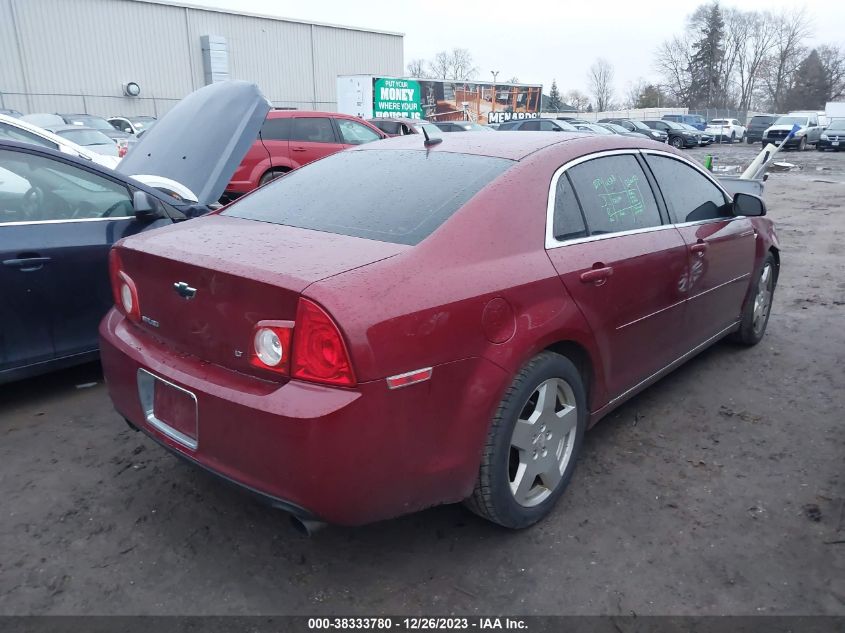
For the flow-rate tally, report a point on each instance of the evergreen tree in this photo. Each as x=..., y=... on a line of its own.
x=555, y=103
x=707, y=55
x=811, y=86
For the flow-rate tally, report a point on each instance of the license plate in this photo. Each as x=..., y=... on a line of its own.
x=835, y=143
x=169, y=408
x=777, y=142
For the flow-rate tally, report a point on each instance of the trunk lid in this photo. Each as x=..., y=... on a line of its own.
x=202, y=140
x=233, y=273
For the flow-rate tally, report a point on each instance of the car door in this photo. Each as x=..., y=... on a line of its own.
x=720, y=246
x=312, y=138
x=353, y=133
x=814, y=131
x=621, y=261
x=54, y=250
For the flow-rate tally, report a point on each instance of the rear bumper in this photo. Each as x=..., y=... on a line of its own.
x=345, y=456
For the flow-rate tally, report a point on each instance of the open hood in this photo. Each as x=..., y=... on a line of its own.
x=202, y=140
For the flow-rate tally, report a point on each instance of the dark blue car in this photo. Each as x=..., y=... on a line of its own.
x=60, y=215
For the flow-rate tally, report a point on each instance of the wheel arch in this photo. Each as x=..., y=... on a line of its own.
x=582, y=360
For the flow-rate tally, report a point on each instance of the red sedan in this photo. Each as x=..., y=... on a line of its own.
x=409, y=324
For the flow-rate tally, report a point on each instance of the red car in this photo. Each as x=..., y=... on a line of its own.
x=293, y=138
x=409, y=324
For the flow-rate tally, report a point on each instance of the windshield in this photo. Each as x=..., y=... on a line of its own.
x=143, y=122
x=598, y=129
x=718, y=122
x=762, y=120
x=90, y=121
x=836, y=124
x=640, y=125
x=398, y=196
x=792, y=120
x=687, y=126
x=672, y=125
x=86, y=137
x=616, y=128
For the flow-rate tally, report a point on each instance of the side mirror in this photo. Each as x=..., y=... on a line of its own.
x=146, y=207
x=748, y=205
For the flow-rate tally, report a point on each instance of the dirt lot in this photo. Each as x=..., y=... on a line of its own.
x=720, y=490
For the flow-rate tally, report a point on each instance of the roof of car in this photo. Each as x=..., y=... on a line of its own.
x=63, y=128
x=402, y=119
x=515, y=146
x=279, y=114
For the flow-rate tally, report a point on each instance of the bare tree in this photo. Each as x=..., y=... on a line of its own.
x=635, y=92
x=791, y=28
x=600, y=79
x=417, y=68
x=455, y=64
x=833, y=61
x=577, y=100
x=672, y=61
x=756, y=33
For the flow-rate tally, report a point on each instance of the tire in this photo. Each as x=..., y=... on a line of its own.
x=677, y=142
x=271, y=175
x=748, y=140
x=755, y=315
x=551, y=449
x=819, y=148
x=802, y=144
x=733, y=138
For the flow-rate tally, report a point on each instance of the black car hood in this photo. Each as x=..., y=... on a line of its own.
x=202, y=140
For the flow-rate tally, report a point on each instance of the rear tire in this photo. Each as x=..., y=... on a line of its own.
x=532, y=444
x=755, y=316
x=677, y=142
x=748, y=140
x=271, y=175
x=733, y=138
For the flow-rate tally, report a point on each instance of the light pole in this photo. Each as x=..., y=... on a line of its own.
x=495, y=74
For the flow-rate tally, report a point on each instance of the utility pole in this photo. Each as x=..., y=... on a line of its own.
x=495, y=74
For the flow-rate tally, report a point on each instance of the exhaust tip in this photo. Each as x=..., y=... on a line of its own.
x=306, y=527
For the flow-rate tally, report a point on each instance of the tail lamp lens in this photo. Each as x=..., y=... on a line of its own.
x=271, y=346
x=123, y=288
x=319, y=352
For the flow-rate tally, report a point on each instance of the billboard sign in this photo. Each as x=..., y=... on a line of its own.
x=437, y=99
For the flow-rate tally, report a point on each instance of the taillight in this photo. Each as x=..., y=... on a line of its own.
x=121, y=151
x=271, y=347
x=123, y=288
x=319, y=352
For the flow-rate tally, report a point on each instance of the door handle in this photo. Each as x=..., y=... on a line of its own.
x=699, y=248
x=26, y=264
x=298, y=149
x=597, y=275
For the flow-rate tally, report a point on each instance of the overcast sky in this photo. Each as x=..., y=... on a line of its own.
x=535, y=41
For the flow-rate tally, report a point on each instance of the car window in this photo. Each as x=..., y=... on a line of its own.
x=568, y=221
x=42, y=189
x=353, y=133
x=689, y=195
x=614, y=194
x=12, y=133
x=275, y=130
x=313, y=129
x=388, y=127
x=531, y=126
x=363, y=201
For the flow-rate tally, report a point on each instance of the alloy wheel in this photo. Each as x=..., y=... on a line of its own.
x=763, y=299
x=542, y=442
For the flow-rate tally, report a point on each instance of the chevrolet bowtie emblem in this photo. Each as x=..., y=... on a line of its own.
x=184, y=290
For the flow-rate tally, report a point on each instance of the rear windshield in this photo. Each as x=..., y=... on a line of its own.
x=398, y=196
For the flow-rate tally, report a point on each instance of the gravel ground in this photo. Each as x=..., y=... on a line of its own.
x=719, y=490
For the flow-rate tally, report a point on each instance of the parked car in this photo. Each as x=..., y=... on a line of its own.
x=90, y=138
x=833, y=137
x=132, y=125
x=292, y=138
x=59, y=215
x=536, y=125
x=613, y=128
x=728, y=130
x=638, y=127
x=703, y=137
x=593, y=128
x=809, y=131
x=400, y=126
x=301, y=350
x=99, y=123
x=460, y=126
x=13, y=129
x=758, y=124
x=695, y=120
x=679, y=136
